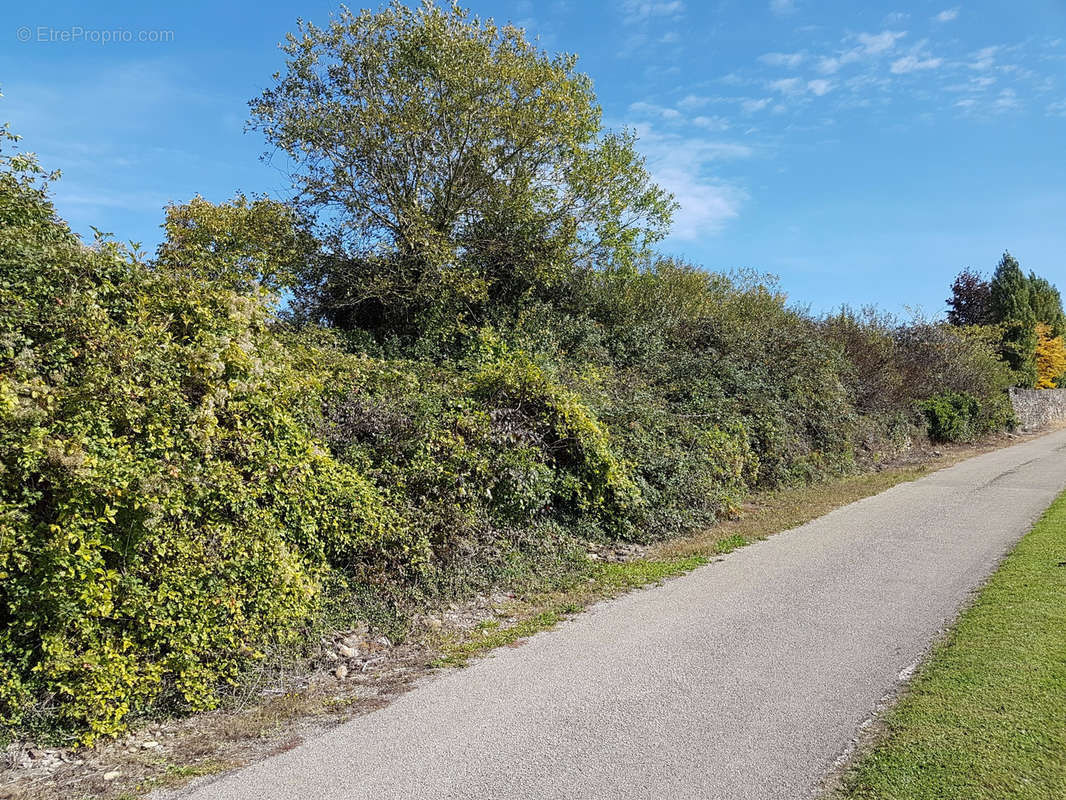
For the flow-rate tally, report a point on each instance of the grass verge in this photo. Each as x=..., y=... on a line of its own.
x=986, y=715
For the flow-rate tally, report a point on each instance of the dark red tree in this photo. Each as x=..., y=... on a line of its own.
x=971, y=299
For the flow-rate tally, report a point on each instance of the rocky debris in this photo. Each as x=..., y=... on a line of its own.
x=616, y=552
x=112, y=775
x=355, y=650
x=20, y=756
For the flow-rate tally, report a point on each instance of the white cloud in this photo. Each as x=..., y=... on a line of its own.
x=1057, y=109
x=705, y=207
x=636, y=11
x=819, y=87
x=711, y=123
x=790, y=60
x=876, y=44
x=751, y=105
x=685, y=166
x=947, y=15
x=870, y=45
x=912, y=63
x=782, y=7
x=795, y=87
x=652, y=110
x=1006, y=101
x=984, y=58
x=827, y=65
x=693, y=101
x=788, y=86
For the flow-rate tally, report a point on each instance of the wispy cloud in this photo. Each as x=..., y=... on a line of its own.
x=685, y=166
x=711, y=123
x=751, y=105
x=652, y=110
x=870, y=45
x=1006, y=101
x=790, y=60
x=637, y=11
x=985, y=58
x=783, y=7
x=819, y=86
x=947, y=15
x=789, y=86
x=693, y=101
x=901, y=66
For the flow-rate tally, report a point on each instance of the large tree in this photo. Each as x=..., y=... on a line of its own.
x=448, y=162
x=1012, y=308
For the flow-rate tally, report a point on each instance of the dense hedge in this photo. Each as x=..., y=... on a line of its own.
x=164, y=509
x=188, y=482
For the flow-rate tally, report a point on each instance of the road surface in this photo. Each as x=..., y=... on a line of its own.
x=744, y=679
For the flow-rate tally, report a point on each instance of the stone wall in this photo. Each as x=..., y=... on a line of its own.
x=1036, y=408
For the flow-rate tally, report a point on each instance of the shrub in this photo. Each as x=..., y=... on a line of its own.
x=164, y=512
x=952, y=416
x=589, y=477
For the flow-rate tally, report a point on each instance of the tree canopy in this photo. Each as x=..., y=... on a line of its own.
x=971, y=300
x=446, y=161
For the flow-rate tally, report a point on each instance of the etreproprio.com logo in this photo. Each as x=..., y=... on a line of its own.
x=78, y=34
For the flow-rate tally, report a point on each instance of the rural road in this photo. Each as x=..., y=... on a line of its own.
x=744, y=679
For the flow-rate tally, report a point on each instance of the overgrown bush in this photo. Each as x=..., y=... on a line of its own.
x=164, y=512
x=952, y=416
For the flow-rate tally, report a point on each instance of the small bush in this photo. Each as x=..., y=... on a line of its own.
x=952, y=417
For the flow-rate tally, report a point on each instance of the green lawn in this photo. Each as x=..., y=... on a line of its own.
x=986, y=715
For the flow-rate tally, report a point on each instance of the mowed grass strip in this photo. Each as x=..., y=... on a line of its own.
x=986, y=715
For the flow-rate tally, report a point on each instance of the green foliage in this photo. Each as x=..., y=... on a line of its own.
x=164, y=511
x=242, y=244
x=1046, y=303
x=590, y=477
x=188, y=482
x=452, y=167
x=952, y=416
x=1012, y=308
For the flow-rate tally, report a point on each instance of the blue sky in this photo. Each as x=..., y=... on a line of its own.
x=863, y=152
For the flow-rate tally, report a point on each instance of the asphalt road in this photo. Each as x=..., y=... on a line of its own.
x=744, y=679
